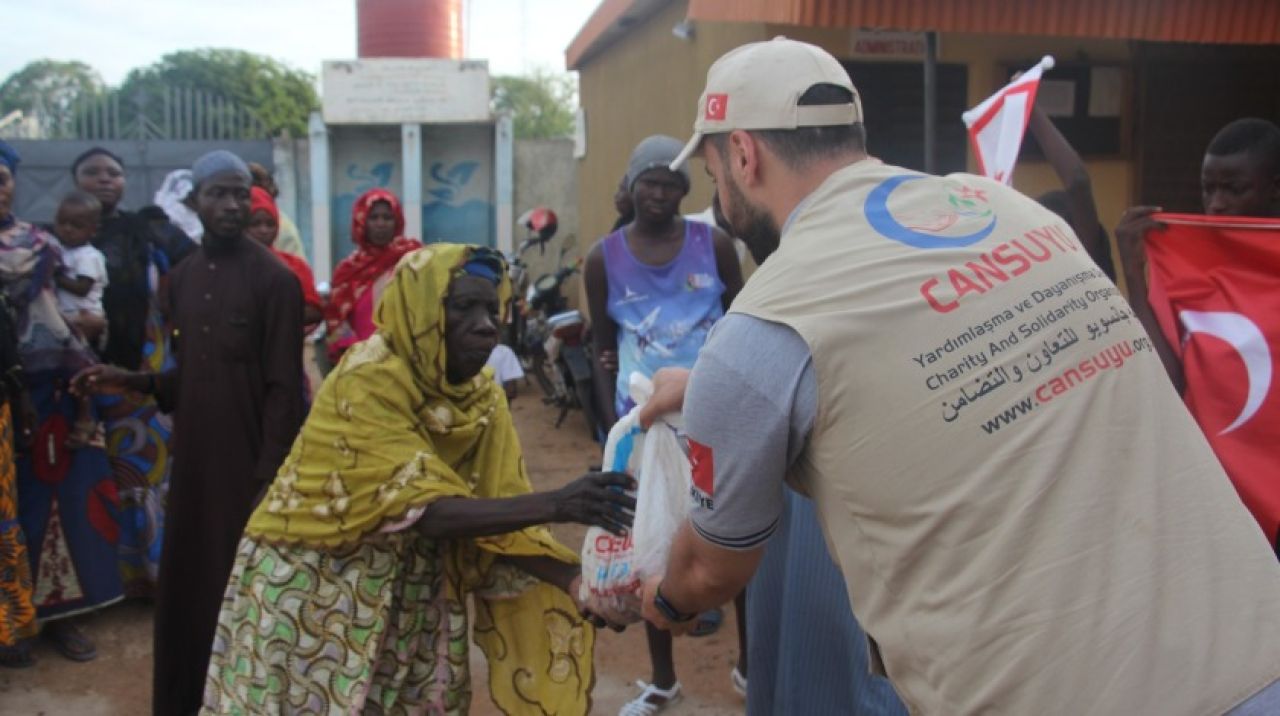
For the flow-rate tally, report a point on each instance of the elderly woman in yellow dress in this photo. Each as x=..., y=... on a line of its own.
x=405, y=492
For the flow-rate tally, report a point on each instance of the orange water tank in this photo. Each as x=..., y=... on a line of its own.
x=409, y=28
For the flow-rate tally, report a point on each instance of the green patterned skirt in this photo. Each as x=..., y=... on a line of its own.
x=375, y=628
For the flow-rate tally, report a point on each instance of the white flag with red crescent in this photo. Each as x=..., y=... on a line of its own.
x=996, y=126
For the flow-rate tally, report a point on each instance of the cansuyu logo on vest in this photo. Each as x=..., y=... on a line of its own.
x=964, y=219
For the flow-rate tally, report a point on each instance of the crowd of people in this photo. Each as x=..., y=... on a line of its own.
x=335, y=547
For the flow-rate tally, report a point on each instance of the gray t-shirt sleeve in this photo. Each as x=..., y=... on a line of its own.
x=750, y=405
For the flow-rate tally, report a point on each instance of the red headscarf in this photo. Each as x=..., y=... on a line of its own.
x=260, y=200
x=357, y=273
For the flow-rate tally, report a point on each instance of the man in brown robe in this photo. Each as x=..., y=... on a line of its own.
x=237, y=397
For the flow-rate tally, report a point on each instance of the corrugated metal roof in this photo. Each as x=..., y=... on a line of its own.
x=1254, y=22
x=1235, y=22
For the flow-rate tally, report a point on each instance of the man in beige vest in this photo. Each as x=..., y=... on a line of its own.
x=1027, y=518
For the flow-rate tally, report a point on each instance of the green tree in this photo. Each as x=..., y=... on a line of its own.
x=49, y=87
x=279, y=95
x=541, y=104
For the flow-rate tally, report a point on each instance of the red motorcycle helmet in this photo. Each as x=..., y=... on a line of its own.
x=541, y=222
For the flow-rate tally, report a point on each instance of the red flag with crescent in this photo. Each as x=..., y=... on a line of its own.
x=702, y=467
x=1214, y=286
x=717, y=106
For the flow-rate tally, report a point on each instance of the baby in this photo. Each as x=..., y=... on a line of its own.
x=80, y=285
x=84, y=274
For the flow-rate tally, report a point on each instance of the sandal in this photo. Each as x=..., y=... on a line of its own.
x=708, y=623
x=69, y=641
x=739, y=682
x=644, y=705
x=17, y=656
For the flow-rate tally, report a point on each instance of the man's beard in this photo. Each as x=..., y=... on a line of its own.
x=751, y=223
x=218, y=239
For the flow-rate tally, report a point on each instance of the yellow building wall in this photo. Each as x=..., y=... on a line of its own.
x=645, y=83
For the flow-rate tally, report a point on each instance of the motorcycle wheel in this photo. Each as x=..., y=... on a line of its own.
x=541, y=370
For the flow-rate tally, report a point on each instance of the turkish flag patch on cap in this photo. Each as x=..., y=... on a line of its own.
x=717, y=106
x=703, y=467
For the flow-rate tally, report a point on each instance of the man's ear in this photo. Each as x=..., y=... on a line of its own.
x=744, y=158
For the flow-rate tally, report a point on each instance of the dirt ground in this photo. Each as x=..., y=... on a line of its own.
x=119, y=681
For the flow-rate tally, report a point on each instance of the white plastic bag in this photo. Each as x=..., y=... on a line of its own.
x=609, y=581
x=663, y=499
x=613, y=567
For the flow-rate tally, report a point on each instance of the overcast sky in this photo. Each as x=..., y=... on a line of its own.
x=114, y=36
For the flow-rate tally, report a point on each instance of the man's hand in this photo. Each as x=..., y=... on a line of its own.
x=669, y=385
x=1134, y=224
x=101, y=380
x=599, y=618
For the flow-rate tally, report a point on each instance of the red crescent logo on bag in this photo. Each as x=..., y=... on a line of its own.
x=702, y=465
x=717, y=105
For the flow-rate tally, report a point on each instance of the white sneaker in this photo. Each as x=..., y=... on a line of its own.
x=643, y=706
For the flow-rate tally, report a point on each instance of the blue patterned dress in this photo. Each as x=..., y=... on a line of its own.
x=68, y=504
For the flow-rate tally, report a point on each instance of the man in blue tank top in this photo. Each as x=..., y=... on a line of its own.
x=657, y=285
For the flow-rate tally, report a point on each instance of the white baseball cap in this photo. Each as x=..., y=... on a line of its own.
x=758, y=86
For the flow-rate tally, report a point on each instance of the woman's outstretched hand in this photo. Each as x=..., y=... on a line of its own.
x=100, y=380
x=597, y=499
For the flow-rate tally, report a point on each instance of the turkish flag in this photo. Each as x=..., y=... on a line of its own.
x=702, y=467
x=717, y=106
x=1214, y=286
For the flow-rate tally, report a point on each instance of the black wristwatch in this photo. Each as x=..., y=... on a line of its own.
x=668, y=610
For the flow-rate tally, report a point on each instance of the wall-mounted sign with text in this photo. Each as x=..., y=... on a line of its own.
x=888, y=45
x=394, y=91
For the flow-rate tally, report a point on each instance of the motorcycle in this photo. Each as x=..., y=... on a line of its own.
x=554, y=341
x=541, y=224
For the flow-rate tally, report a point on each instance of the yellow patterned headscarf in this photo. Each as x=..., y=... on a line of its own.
x=388, y=435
